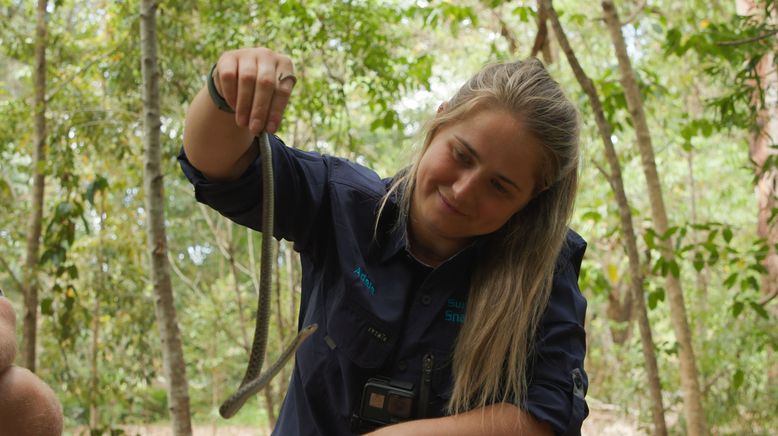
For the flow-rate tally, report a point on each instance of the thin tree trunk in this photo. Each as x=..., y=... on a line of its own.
x=94, y=419
x=701, y=276
x=693, y=410
x=270, y=405
x=236, y=284
x=35, y=225
x=543, y=37
x=760, y=149
x=172, y=353
x=620, y=309
x=617, y=184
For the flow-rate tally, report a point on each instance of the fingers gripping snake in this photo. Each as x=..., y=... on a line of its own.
x=253, y=381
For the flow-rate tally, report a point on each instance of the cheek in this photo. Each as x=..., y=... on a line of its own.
x=498, y=214
x=430, y=171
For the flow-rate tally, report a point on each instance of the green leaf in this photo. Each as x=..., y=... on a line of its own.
x=713, y=258
x=675, y=269
x=669, y=233
x=654, y=297
x=649, y=236
x=737, y=308
x=592, y=215
x=660, y=266
x=758, y=267
x=731, y=280
x=749, y=283
x=737, y=379
x=97, y=185
x=698, y=262
x=727, y=234
x=46, y=304
x=759, y=309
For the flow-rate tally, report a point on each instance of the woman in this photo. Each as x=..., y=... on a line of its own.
x=447, y=294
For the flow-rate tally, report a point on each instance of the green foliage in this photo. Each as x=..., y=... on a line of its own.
x=729, y=51
x=370, y=74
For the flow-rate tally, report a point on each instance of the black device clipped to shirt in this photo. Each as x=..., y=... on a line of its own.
x=386, y=401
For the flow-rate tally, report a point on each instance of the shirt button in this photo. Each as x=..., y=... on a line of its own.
x=426, y=299
x=402, y=365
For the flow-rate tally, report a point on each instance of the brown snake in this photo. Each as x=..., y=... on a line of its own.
x=253, y=381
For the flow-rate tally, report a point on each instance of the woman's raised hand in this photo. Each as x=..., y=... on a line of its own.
x=257, y=84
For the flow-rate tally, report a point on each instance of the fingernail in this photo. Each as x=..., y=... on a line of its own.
x=271, y=126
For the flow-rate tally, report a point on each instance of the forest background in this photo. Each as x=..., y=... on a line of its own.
x=680, y=273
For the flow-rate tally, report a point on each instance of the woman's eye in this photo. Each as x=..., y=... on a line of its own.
x=459, y=155
x=499, y=187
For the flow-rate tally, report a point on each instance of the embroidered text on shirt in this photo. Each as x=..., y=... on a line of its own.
x=365, y=281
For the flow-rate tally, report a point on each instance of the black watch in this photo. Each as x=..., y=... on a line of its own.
x=218, y=100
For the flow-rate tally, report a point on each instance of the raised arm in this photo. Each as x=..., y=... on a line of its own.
x=256, y=83
x=28, y=406
x=7, y=333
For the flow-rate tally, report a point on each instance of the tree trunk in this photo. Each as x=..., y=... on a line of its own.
x=621, y=305
x=693, y=410
x=229, y=243
x=760, y=149
x=94, y=419
x=172, y=353
x=543, y=38
x=35, y=225
x=625, y=213
x=765, y=135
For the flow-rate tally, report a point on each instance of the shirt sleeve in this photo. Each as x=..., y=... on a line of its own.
x=557, y=383
x=300, y=193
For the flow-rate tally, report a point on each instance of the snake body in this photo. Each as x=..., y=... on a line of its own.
x=253, y=381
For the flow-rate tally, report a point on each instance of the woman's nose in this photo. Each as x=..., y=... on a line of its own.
x=464, y=185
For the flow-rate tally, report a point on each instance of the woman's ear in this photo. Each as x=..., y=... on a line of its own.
x=442, y=107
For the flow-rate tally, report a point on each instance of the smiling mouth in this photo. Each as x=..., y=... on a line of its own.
x=448, y=205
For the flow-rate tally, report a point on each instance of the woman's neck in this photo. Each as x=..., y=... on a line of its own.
x=431, y=251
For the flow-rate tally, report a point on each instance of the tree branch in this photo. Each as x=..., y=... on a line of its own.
x=78, y=73
x=11, y=273
x=635, y=13
x=769, y=297
x=747, y=40
x=506, y=33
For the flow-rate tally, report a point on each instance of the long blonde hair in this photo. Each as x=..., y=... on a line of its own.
x=510, y=288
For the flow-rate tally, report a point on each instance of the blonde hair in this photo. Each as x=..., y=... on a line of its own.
x=511, y=285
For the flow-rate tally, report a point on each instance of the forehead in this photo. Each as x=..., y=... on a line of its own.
x=502, y=142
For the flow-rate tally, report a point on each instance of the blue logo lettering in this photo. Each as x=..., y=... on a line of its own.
x=458, y=318
x=365, y=281
x=456, y=314
x=455, y=304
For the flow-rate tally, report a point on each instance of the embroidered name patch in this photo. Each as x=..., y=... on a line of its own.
x=360, y=274
x=455, y=311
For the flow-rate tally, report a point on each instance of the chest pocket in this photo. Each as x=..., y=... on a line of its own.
x=363, y=339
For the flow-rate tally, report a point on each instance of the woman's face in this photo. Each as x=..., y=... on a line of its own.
x=473, y=177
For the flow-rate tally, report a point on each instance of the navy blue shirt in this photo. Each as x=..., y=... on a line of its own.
x=380, y=311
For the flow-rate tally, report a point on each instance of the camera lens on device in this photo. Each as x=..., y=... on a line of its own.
x=399, y=406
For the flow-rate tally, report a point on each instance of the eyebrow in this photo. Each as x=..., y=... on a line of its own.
x=472, y=151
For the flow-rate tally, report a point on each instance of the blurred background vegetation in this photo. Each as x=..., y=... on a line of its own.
x=370, y=73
